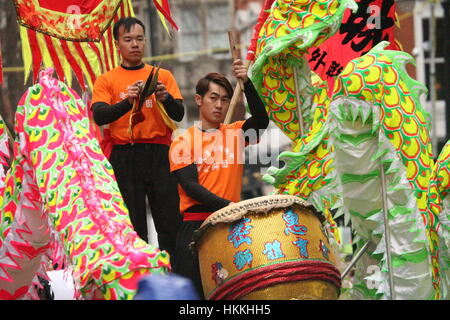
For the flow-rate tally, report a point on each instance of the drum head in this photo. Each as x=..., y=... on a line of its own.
x=236, y=211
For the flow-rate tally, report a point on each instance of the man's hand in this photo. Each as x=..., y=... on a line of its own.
x=161, y=92
x=239, y=70
x=134, y=90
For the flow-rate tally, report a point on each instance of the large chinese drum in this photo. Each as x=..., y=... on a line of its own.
x=267, y=248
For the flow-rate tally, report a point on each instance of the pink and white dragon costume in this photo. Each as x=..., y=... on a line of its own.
x=60, y=204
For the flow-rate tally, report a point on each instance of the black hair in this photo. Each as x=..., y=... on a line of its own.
x=127, y=22
x=203, y=84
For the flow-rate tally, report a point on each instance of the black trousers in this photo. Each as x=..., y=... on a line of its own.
x=142, y=171
x=187, y=264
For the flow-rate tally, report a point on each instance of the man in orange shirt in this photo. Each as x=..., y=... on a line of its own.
x=140, y=160
x=207, y=159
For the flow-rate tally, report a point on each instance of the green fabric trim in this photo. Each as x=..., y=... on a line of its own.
x=367, y=215
x=414, y=257
x=370, y=293
x=361, y=178
x=399, y=210
x=356, y=141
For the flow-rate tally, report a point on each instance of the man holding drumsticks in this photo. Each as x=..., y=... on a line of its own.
x=207, y=160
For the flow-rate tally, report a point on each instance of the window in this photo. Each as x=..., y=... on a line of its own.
x=191, y=37
x=218, y=24
x=439, y=56
x=422, y=14
x=203, y=26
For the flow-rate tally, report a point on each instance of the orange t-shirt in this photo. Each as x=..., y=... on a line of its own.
x=218, y=156
x=111, y=88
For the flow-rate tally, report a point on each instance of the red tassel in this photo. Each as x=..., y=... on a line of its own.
x=85, y=61
x=76, y=68
x=55, y=58
x=36, y=50
x=99, y=57
x=111, y=47
x=122, y=10
x=105, y=54
x=128, y=10
x=165, y=10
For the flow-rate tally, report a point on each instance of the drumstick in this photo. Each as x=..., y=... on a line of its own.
x=234, y=54
x=240, y=86
x=236, y=95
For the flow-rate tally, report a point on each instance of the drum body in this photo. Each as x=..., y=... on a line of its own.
x=267, y=248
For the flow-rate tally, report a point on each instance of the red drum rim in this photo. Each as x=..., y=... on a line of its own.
x=278, y=273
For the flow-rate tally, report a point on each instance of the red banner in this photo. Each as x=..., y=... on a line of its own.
x=164, y=7
x=74, y=20
x=359, y=32
x=84, y=6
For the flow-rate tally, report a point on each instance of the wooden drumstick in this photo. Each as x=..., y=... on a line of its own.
x=240, y=85
x=234, y=54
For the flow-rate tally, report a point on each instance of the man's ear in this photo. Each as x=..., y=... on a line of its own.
x=198, y=99
x=116, y=43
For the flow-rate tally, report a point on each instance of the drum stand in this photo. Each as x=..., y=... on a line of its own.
x=355, y=260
